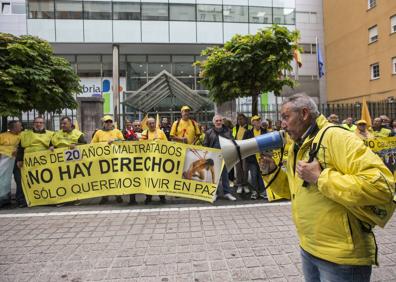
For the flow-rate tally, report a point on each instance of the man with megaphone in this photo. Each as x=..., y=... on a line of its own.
x=327, y=194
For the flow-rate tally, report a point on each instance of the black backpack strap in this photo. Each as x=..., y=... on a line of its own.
x=316, y=146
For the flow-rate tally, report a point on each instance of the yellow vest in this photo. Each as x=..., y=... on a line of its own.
x=384, y=132
x=9, y=143
x=34, y=142
x=352, y=128
x=65, y=139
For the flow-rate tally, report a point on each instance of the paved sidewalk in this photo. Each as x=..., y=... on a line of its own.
x=207, y=243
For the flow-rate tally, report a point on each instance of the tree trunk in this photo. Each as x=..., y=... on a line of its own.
x=254, y=104
x=3, y=124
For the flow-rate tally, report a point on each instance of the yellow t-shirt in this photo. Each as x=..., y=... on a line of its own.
x=186, y=129
x=9, y=143
x=158, y=134
x=106, y=136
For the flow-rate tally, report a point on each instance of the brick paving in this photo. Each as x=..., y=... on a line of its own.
x=205, y=243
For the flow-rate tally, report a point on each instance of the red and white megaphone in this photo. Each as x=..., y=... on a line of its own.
x=266, y=142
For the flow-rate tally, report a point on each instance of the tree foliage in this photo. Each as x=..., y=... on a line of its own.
x=250, y=64
x=32, y=77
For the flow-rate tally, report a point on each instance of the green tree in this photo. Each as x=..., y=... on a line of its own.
x=250, y=64
x=32, y=77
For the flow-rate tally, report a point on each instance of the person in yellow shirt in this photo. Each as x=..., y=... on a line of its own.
x=185, y=130
x=361, y=130
x=67, y=136
x=151, y=133
x=256, y=181
x=108, y=134
x=241, y=171
x=379, y=130
x=8, y=146
x=35, y=140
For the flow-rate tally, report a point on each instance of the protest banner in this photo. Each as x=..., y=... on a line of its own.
x=95, y=170
x=385, y=148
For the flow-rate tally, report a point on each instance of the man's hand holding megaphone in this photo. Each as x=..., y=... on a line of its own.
x=267, y=163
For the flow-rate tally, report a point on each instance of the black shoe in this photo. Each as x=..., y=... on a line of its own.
x=148, y=200
x=22, y=205
x=132, y=202
x=104, y=200
x=119, y=199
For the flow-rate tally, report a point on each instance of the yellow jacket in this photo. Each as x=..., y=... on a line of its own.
x=352, y=177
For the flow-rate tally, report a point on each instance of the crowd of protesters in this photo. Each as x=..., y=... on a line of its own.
x=245, y=177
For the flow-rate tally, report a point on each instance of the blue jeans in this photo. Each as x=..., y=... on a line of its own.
x=316, y=269
x=224, y=182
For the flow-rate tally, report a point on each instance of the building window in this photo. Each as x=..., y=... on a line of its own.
x=5, y=8
x=306, y=17
x=126, y=11
x=393, y=23
x=209, y=13
x=41, y=9
x=235, y=14
x=375, y=71
x=308, y=48
x=18, y=8
x=260, y=15
x=394, y=65
x=371, y=3
x=68, y=10
x=155, y=12
x=373, y=34
x=283, y=16
x=182, y=12
x=97, y=10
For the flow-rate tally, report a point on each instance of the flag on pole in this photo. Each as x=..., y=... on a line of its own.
x=297, y=57
x=366, y=113
x=144, y=122
x=157, y=122
x=321, y=70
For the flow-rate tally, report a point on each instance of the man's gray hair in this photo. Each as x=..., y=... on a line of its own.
x=301, y=101
x=217, y=116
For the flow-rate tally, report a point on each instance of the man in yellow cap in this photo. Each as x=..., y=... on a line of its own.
x=185, y=130
x=256, y=181
x=361, y=130
x=151, y=133
x=108, y=134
